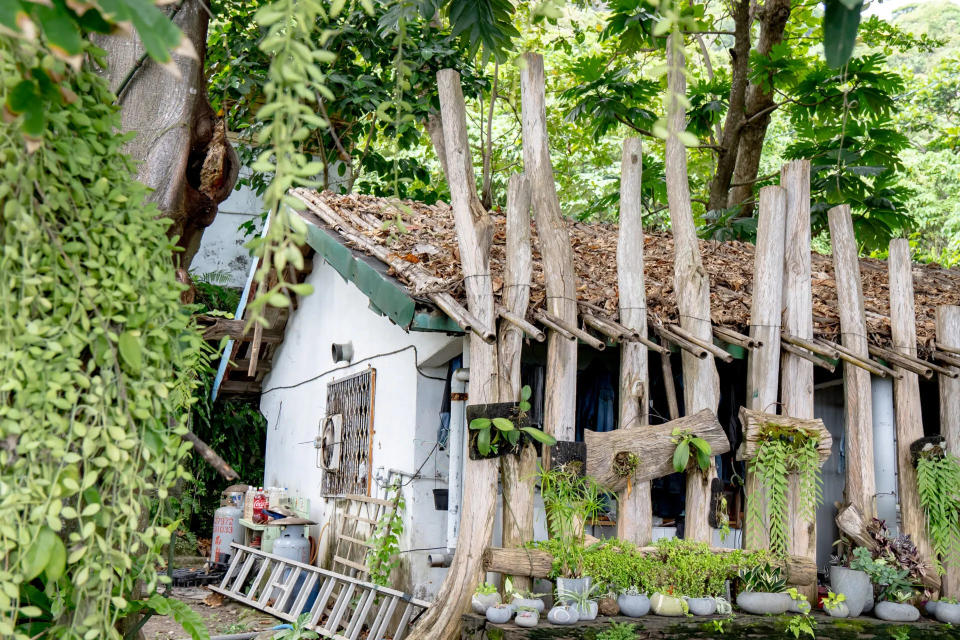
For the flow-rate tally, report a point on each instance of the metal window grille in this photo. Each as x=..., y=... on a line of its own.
x=352, y=398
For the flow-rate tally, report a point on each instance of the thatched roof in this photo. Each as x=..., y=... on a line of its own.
x=428, y=238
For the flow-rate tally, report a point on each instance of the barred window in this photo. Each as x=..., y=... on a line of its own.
x=352, y=399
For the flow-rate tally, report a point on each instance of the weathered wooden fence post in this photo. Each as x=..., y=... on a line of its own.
x=560, y=404
x=858, y=406
x=906, y=394
x=701, y=384
x=516, y=473
x=948, y=335
x=763, y=364
x=634, y=515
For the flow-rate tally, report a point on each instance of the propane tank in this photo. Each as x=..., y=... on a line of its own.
x=226, y=523
x=292, y=545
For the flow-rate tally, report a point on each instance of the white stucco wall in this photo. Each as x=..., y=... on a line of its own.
x=221, y=248
x=406, y=411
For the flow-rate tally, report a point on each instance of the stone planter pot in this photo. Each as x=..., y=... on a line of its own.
x=577, y=586
x=702, y=606
x=841, y=610
x=532, y=603
x=664, y=605
x=855, y=585
x=527, y=618
x=483, y=601
x=588, y=610
x=930, y=606
x=946, y=612
x=634, y=606
x=499, y=614
x=563, y=614
x=799, y=606
x=896, y=612
x=608, y=606
x=763, y=603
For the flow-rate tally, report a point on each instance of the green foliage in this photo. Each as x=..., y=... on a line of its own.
x=180, y=611
x=686, y=443
x=492, y=433
x=384, y=554
x=570, y=502
x=938, y=484
x=833, y=599
x=764, y=578
x=619, y=631
x=893, y=581
x=100, y=357
x=782, y=450
x=802, y=625
x=840, y=21
x=298, y=630
x=485, y=589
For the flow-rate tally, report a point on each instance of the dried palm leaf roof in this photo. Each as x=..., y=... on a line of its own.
x=425, y=235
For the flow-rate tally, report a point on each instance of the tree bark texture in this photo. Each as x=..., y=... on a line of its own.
x=555, y=249
x=858, y=405
x=701, y=385
x=948, y=337
x=517, y=473
x=473, y=225
x=906, y=394
x=635, y=512
x=181, y=147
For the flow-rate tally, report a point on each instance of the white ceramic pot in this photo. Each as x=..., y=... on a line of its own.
x=763, y=603
x=946, y=612
x=896, y=612
x=702, y=606
x=855, y=585
x=664, y=605
x=527, y=618
x=633, y=606
x=499, y=614
x=587, y=610
x=578, y=586
x=840, y=610
x=563, y=614
x=480, y=602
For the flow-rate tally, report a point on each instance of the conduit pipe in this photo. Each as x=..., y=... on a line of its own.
x=458, y=429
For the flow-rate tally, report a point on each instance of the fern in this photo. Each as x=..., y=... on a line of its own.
x=938, y=483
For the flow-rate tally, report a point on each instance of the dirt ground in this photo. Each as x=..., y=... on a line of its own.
x=221, y=615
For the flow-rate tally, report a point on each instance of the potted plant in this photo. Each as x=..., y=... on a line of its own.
x=563, y=614
x=499, y=613
x=852, y=581
x=895, y=606
x=687, y=443
x=607, y=603
x=527, y=616
x=502, y=427
x=798, y=602
x=764, y=590
x=665, y=603
x=632, y=603
x=484, y=597
x=521, y=598
x=584, y=601
x=946, y=610
x=835, y=605
x=893, y=586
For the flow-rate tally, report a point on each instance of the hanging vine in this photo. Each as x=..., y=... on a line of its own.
x=938, y=483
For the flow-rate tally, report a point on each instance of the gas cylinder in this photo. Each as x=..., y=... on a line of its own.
x=226, y=524
x=292, y=545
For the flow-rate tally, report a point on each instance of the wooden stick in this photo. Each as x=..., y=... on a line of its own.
x=463, y=317
x=211, y=456
x=913, y=365
x=717, y=352
x=810, y=345
x=651, y=345
x=875, y=368
x=575, y=332
x=947, y=358
x=694, y=350
x=806, y=355
x=948, y=339
x=945, y=348
x=733, y=337
x=547, y=320
x=254, y=353
x=610, y=331
x=528, y=328
x=673, y=407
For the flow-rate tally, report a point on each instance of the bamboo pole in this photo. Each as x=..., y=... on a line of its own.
x=911, y=365
x=572, y=330
x=549, y=322
x=866, y=364
x=946, y=358
x=946, y=348
x=606, y=329
x=685, y=345
x=560, y=408
x=670, y=388
x=810, y=345
x=948, y=339
x=807, y=355
x=701, y=384
x=906, y=395
x=860, y=488
x=733, y=337
x=635, y=512
x=528, y=328
x=716, y=351
x=517, y=473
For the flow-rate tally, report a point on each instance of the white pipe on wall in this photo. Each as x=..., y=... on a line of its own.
x=885, y=452
x=458, y=448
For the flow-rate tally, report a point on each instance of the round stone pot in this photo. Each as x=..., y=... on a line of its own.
x=664, y=605
x=702, y=606
x=799, y=606
x=563, y=614
x=931, y=607
x=634, y=606
x=499, y=614
x=480, y=602
x=855, y=585
x=946, y=612
x=608, y=606
x=841, y=610
x=896, y=612
x=533, y=603
x=527, y=618
x=763, y=603
x=588, y=610
x=577, y=586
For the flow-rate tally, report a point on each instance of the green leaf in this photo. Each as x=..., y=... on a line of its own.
x=130, y=351
x=539, y=436
x=701, y=445
x=524, y=406
x=23, y=96
x=57, y=559
x=525, y=393
x=35, y=559
x=62, y=32
x=512, y=436
x=681, y=456
x=181, y=612
x=483, y=442
x=503, y=424
x=480, y=423
x=10, y=12
x=840, y=24
x=703, y=460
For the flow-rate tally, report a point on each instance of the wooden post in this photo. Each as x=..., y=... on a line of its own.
x=635, y=513
x=691, y=285
x=906, y=394
x=948, y=337
x=763, y=363
x=858, y=406
x=560, y=406
x=442, y=620
x=516, y=472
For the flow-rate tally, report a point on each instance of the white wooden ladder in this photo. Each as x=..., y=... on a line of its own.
x=340, y=607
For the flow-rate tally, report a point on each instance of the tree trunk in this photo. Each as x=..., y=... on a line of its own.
x=701, y=385
x=473, y=226
x=181, y=148
x=635, y=512
x=556, y=252
x=517, y=473
x=948, y=335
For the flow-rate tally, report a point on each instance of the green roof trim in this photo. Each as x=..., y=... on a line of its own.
x=434, y=321
x=384, y=294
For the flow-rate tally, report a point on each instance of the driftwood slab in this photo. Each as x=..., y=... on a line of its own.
x=754, y=421
x=653, y=444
